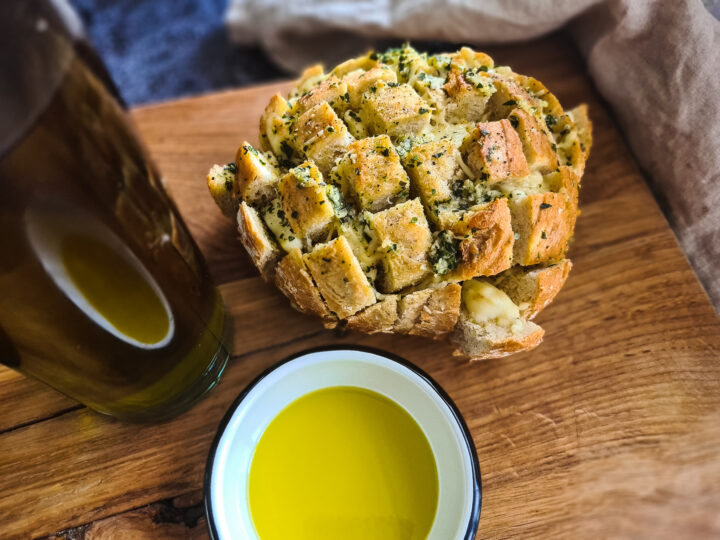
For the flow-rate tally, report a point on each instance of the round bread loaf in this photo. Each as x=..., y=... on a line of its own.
x=432, y=195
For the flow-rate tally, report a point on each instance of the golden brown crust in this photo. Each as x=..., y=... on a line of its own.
x=273, y=128
x=486, y=244
x=409, y=308
x=533, y=288
x=405, y=239
x=395, y=110
x=536, y=142
x=494, y=152
x=389, y=141
x=477, y=342
x=432, y=167
x=359, y=82
x=293, y=279
x=223, y=189
x=321, y=136
x=467, y=101
x=257, y=178
x=305, y=202
x=439, y=314
x=544, y=228
x=379, y=317
x=331, y=90
x=372, y=174
x=261, y=248
x=339, y=277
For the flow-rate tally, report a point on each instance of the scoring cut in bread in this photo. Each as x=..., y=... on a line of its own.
x=430, y=195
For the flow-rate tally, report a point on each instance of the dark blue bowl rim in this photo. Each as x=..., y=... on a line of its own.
x=470, y=445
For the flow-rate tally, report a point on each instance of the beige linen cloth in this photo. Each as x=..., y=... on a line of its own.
x=656, y=62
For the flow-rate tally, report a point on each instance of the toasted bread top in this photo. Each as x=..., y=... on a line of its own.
x=389, y=183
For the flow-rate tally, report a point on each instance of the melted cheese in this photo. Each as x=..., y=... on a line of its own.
x=486, y=303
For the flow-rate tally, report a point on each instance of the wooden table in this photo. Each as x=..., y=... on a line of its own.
x=611, y=428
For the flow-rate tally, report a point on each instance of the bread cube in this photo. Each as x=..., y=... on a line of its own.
x=275, y=127
x=380, y=317
x=223, y=186
x=471, y=59
x=536, y=142
x=257, y=177
x=293, y=279
x=494, y=152
x=339, y=277
x=372, y=174
x=321, y=136
x=543, y=227
x=429, y=312
x=532, y=288
x=395, y=109
x=566, y=181
x=508, y=95
x=485, y=241
x=432, y=167
x=257, y=242
x=332, y=90
x=404, y=238
x=468, y=92
x=305, y=202
x=358, y=82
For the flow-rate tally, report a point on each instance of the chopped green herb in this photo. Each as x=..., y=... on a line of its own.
x=423, y=110
x=510, y=103
x=444, y=254
x=544, y=206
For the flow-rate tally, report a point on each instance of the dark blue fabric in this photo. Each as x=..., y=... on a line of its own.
x=160, y=49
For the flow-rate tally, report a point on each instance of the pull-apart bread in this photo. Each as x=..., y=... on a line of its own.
x=414, y=194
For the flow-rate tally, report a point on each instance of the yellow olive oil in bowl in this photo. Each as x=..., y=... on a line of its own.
x=343, y=462
x=343, y=443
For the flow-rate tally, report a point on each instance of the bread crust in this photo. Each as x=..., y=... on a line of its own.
x=544, y=226
x=494, y=152
x=536, y=142
x=486, y=243
x=405, y=239
x=432, y=167
x=294, y=280
x=533, y=288
x=379, y=317
x=372, y=175
x=395, y=110
x=439, y=314
x=332, y=90
x=305, y=201
x=339, y=277
x=257, y=178
x=321, y=136
x=397, y=177
x=222, y=187
x=475, y=343
x=258, y=244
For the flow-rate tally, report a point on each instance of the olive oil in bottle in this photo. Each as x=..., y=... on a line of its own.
x=103, y=293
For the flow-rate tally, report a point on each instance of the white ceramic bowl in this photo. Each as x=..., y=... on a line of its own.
x=228, y=467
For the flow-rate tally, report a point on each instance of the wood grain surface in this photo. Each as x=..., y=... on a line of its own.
x=610, y=429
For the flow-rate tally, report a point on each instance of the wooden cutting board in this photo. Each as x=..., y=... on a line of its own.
x=611, y=428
